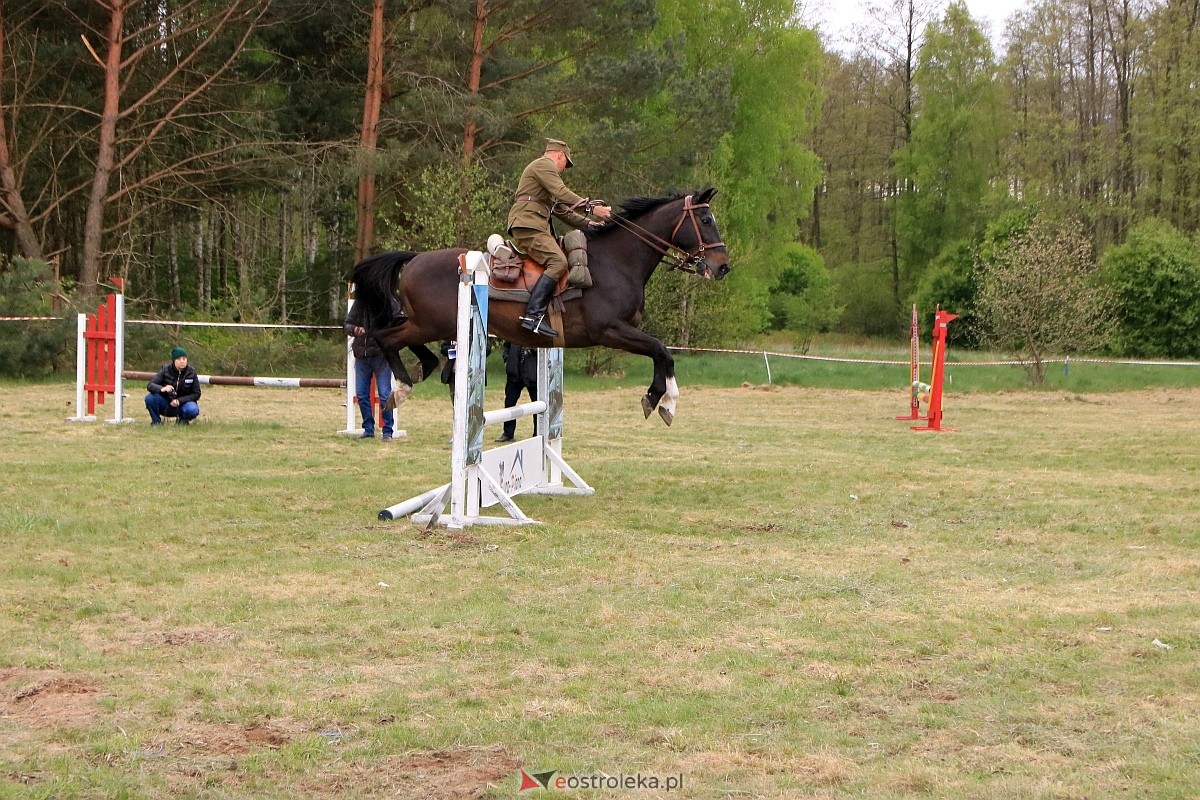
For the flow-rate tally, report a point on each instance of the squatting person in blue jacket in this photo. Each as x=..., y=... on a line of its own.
x=174, y=391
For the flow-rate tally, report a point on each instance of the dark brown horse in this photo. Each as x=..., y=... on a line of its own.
x=622, y=255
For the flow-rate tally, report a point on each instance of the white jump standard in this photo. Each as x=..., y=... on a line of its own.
x=479, y=478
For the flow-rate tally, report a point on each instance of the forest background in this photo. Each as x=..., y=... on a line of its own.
x=230, y=161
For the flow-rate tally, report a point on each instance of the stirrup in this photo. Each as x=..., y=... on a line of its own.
x=538, y=325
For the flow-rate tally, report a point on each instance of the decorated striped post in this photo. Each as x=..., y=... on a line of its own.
x=914, y=369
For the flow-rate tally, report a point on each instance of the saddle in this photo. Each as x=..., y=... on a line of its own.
x=514, y=271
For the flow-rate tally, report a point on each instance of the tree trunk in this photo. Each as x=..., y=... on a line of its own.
x=474, y=71
x=12, y=206
x=93, y=226
x=173, y=266
x=370, y=135
x=281, y=284
x=220, y=251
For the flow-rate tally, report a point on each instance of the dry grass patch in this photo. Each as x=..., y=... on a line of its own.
x=786, y=594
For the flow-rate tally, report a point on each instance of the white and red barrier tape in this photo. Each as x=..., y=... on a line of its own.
x=948, y=363
x=732, y=351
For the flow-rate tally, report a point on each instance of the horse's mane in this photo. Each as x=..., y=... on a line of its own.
x=636, y=207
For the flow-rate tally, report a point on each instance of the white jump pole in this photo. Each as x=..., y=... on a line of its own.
x=119, y=349
x=469, y=379
x=353, y=428
x=80, y=369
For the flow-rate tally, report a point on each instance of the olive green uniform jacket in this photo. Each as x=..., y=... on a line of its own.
x=529, y=219
x=541, y=180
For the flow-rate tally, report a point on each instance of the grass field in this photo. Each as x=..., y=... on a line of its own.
x=786, y=594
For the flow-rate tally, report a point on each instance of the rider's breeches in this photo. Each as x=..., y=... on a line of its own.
x=542, y=248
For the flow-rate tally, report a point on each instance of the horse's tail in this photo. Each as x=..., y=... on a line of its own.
x=375, y=287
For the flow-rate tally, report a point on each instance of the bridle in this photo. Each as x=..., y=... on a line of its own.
x=672, y=253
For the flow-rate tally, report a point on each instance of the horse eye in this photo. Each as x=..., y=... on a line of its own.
x=706, y=219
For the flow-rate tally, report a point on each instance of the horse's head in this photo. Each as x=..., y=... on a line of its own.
x=696, y=235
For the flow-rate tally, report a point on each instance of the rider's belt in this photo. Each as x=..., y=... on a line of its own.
x=528, y=198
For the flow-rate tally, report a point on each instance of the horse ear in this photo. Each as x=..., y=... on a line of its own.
x=706, y=195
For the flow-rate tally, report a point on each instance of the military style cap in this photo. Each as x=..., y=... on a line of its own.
x=558, y=144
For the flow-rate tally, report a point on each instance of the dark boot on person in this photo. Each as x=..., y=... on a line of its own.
x=534, y=318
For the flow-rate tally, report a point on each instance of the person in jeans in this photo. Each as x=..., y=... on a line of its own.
x=369, y=364
x=174, y=391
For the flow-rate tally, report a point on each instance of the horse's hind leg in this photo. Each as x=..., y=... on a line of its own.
x=404, y=384
x=391, y=352
x=429, y=361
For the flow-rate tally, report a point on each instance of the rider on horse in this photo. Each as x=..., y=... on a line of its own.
x=541, y=194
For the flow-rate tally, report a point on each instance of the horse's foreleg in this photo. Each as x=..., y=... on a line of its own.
x=667, y=408
x=632, y=340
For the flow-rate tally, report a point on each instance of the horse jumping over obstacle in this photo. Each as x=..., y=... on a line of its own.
x=480, y=478
x=623, y=254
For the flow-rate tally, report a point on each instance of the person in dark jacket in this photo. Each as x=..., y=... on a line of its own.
x=174, y=391
x=369, y=363
x=520, y=368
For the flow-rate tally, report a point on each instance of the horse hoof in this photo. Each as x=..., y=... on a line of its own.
x=666, y=415
x=647, y=406
x=397, y=397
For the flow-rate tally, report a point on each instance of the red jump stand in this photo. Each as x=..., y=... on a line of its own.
x=941, y=321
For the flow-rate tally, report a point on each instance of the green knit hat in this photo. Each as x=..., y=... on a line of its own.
x=178, y=352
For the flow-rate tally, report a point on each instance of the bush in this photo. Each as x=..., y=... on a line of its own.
x=802, y=301
x=870, y=307
x=32, y=349
x=1156, y=278
x=1040, y=295
x=951, y=284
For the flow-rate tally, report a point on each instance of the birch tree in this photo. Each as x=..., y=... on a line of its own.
x=1041, y=296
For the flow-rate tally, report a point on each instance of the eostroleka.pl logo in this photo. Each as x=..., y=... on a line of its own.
x=556, y=781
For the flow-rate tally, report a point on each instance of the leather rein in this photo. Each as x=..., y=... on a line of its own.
x=674, y=255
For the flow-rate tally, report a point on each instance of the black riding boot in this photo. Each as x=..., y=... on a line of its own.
x=535, y=313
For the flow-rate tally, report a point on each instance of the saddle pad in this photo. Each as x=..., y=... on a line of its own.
x=530, y=272
x=520, y=296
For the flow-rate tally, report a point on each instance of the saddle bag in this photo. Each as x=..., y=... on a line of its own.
x=506, y=261
x=574, y=245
